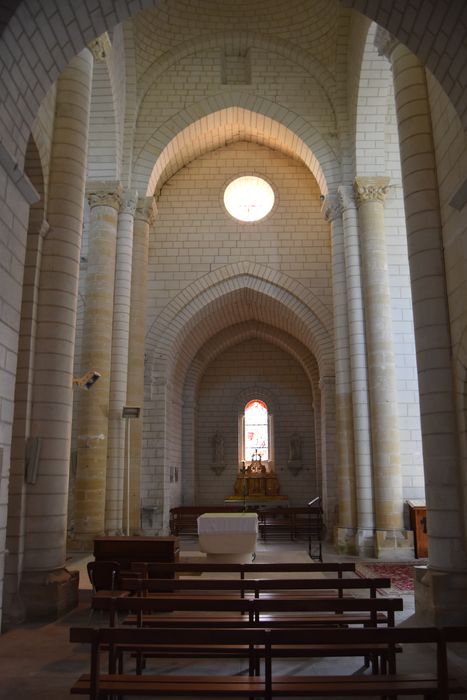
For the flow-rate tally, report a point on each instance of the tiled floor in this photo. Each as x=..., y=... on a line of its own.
x=37, y=662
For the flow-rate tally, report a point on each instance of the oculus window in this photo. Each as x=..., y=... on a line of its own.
x=249, y=198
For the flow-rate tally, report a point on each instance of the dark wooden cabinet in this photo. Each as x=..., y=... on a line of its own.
x=127, y=549
x=418, y=525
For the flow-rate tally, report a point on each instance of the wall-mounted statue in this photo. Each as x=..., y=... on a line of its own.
x=218, y=456
x=294, y=462
x=295, y=447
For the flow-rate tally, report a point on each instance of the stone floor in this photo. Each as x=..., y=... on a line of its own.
x=38, y=662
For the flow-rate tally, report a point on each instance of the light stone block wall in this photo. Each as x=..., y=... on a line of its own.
x=194, y=234
x=451, y=161
x=199, y=75
x=102, y=147
x=42, y=133
x=245, y=366
x=413, y=481
x=16, y=195
x=377, y=153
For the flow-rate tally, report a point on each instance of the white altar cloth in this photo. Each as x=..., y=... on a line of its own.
x=227, y=535
x=215, y=523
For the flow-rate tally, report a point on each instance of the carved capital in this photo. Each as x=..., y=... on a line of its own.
x=104, y=194
x=100, y=47
x=128, y=202
x=146, y=209
x=346, y=197
x=385, y=42
x=332, y=208
x=371, y=189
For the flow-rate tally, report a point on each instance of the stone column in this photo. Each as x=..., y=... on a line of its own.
x=18, y=485
x=365, y=540
x=47, y=588
x=119, y=366
x=144, y=217
x=328, y=449
x=391, y=539
x=347, y=514
x=443, y=590
x=104, y=201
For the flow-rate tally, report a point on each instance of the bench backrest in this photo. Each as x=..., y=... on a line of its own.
x=269, y=643
x=257, y=586
x=252, y=608
x=155, y=570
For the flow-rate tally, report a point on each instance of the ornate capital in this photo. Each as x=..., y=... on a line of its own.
x=146, y=209
x=106, y=193
x=128, y=202
x=346, y=197
x=100, y=47
x=332, y=208
x=385, y=42
x=370, y=189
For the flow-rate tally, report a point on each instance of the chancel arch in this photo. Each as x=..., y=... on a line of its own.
x=242, y=335
x=231, y=310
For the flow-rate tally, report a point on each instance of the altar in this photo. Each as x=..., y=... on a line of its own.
x=228, y=537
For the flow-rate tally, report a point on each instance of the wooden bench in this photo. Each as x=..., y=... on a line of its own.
x=268, y=644
x=172, y=609
x=161, y=569
x=259, y=587
x=273, y=613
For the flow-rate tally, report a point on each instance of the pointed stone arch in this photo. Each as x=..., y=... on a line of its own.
x=42, y=63
x=214, y=347
x=261, y=119
x=242, y=285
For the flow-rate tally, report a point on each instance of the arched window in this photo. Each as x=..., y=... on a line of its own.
x=256, y=431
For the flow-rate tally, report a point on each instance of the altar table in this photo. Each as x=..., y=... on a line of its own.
x=228, y=536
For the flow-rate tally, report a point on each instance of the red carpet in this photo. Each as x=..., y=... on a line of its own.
x=402, y=575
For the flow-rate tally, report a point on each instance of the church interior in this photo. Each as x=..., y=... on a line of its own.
x=233, y=273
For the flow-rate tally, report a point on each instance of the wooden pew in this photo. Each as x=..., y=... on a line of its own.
x=182, y=610
x=193, y=612
x=268, y=644
x=163, y=569
x=259, y=587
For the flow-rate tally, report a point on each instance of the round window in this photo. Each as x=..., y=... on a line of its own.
x=249, y=198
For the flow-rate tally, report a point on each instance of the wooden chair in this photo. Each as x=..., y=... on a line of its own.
x=104, y=575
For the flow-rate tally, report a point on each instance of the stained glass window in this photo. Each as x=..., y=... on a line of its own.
x=256, y=430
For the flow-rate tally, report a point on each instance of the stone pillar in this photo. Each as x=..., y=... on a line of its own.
x=365, y=539
x=104, y=201
x=328, y=449
x=317, y=428
x=441, y=593
x=18, y=485
x=391, y=540
x=47, y=588
x=347, y=514
x=144, y=217
x=119, y=366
